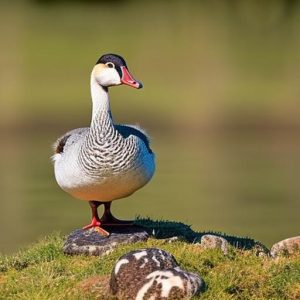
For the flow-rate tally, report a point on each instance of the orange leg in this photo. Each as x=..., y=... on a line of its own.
x=96, y=222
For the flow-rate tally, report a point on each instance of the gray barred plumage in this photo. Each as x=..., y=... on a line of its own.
x=106, y=152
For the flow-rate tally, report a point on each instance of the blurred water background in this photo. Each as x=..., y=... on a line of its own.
x=221, y=102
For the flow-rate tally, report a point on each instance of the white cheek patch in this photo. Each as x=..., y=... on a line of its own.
x=108, y=76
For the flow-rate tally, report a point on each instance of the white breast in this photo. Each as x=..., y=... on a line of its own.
x=72, y=179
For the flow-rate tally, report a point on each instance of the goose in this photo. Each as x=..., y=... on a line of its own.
x=106, y=161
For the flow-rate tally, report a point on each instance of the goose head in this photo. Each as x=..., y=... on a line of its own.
x=111, y=70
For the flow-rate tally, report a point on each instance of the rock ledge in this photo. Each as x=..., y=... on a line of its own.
x=90, y=242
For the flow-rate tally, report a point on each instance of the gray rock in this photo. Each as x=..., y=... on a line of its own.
x=90, y=242
x=209, y=241
x=152, y=274
x=286, y=247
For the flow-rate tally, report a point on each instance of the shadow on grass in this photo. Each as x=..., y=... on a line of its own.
x=167, y=229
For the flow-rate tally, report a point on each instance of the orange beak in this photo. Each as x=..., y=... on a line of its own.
x=128, y=79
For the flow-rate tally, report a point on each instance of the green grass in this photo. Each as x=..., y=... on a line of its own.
x=42, y=271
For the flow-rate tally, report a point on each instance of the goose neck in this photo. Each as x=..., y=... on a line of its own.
x=100, y=98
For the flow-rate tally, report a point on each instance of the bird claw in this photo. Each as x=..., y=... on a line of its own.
x=96, y=225
x=101, y=231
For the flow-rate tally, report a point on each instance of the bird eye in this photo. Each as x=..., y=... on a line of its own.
x=110, y=65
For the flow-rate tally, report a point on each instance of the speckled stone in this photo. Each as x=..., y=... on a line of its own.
x=286, y=247
x=152, y=274
x=209, y=241
x=90, y=242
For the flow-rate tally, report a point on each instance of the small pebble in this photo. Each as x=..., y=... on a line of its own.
x=286, y=247
x=209, y=241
